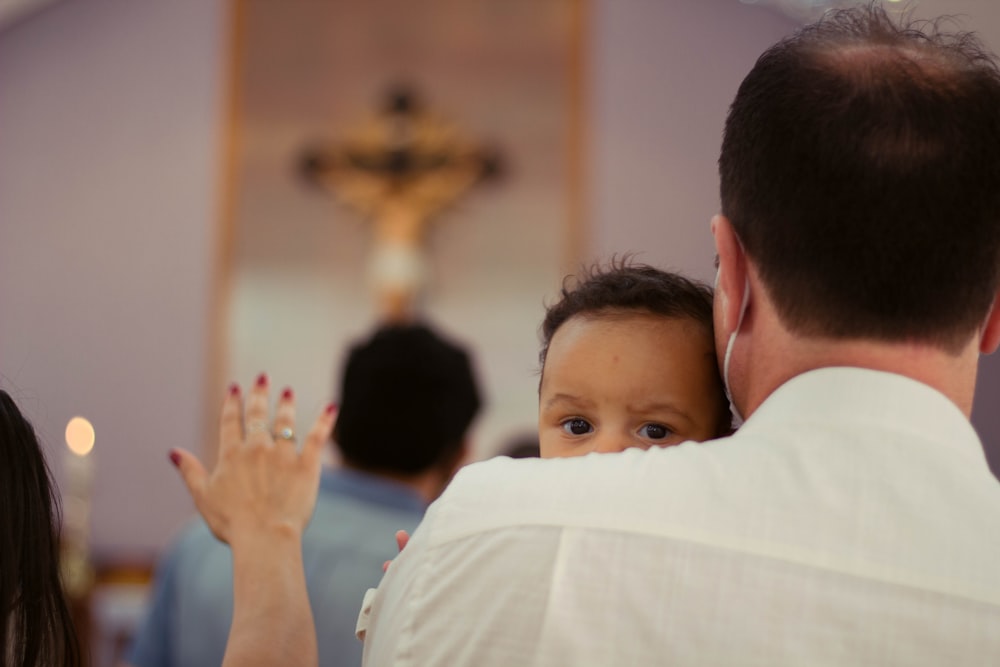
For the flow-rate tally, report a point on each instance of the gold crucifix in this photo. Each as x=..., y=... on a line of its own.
x=400, y=169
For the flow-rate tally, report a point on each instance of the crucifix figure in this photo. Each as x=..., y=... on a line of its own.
x=400, y=169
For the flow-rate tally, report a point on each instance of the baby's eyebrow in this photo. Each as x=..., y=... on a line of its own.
x=659, y=406
x=568, y=398
x=654, y=405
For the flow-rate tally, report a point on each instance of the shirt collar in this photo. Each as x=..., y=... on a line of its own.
x=371, y=488
x=845, y=395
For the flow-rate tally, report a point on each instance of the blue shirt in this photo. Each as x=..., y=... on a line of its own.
x=351, y=534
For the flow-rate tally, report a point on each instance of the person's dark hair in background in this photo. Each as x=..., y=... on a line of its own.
x=35, y=624
x=880, y=264
x=405, y=376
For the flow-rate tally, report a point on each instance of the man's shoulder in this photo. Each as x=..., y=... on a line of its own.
x=762, y=483
x=514, y=477
x=359, y=521
x=192, y=555
x=593, y=490
x=366, y=498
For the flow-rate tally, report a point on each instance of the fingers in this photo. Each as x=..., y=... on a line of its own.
x=312, y=448
x=192, y=472
x=258, y=431
x=284, y=418
x=231, y=420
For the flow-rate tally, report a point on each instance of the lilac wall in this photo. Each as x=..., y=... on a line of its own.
x=109, y=119
x=663, y=75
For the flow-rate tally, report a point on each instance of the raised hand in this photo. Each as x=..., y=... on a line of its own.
x=259, y=499
x=261, y=481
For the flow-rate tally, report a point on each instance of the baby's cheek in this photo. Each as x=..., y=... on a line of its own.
x=547, y=449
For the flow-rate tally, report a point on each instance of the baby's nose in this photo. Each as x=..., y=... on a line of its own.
x=609, y=443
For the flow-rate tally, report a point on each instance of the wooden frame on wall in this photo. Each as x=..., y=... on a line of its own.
x=271, y=230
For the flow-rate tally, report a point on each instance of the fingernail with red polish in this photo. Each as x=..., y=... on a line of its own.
x=331, y=408
x=234, y=389
x=262, y=379
x=287, y=394
x=175, y=458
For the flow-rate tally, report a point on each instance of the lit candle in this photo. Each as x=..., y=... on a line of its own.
x=79, y=469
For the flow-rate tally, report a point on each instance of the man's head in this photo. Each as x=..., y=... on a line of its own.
x=407, y=400
x=628, y=361
x=859, y=172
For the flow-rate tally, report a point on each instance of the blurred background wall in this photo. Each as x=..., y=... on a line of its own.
x=121, y=277
x=110, y=126
x=497, y=74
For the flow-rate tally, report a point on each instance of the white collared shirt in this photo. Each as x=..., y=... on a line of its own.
x=851, y=521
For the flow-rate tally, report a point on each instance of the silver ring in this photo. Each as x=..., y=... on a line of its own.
x=257, y=427
x=286, y=433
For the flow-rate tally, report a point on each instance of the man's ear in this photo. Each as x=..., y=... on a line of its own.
x=991, y=330
x=730, y=290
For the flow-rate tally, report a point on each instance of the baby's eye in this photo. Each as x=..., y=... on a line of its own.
x=577, y=426
x=655, y=431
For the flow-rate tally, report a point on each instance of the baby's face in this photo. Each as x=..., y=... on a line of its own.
x=631, y=380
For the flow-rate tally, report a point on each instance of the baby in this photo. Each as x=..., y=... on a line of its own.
x=628, y=360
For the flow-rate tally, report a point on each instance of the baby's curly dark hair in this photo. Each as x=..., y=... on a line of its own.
x=623, y=285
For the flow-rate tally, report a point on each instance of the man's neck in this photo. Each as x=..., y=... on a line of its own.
x=782, y=356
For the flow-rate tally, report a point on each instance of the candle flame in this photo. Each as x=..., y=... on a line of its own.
x=79, y=436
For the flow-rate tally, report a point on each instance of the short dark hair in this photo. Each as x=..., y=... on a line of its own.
x=859, y=170
x=35, y=623
x=622, y=287
x=407, y=398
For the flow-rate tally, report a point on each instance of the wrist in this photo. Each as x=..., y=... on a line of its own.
x=257, y=537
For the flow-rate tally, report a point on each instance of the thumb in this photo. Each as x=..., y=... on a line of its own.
x=192, y=472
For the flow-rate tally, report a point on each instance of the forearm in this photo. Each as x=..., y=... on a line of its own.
x=272, y=622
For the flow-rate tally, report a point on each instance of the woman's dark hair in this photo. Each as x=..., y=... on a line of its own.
x=35, y=624
x=407, y=398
